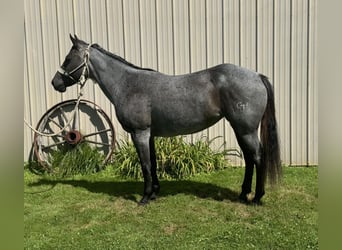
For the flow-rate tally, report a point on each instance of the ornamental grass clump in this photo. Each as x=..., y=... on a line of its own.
x=176, y=158
x=70, y=160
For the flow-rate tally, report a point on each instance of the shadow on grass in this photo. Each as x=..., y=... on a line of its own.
x=130, y=189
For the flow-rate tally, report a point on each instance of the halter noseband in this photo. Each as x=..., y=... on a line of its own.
x=85, y=66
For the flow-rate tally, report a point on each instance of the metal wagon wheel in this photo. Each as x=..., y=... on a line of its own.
x=89, y=124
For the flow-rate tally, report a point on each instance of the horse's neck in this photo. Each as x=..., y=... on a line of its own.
x=108, y=73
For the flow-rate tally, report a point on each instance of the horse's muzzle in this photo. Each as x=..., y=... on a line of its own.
x=58, y=83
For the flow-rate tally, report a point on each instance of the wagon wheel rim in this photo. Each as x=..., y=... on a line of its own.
x=101, y=135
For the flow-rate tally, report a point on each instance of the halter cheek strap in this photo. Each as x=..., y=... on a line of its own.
x=68, y=74
x=85, y=66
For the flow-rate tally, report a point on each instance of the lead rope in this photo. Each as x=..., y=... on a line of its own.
x=82, y=82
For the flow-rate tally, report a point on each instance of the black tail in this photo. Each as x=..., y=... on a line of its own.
x=269, y=137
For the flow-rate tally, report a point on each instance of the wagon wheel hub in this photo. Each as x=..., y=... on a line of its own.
x=73, y=137
x=99, y=134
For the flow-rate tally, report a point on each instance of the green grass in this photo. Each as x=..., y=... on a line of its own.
x=100, y=211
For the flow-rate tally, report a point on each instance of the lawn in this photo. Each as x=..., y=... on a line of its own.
x=100, y=211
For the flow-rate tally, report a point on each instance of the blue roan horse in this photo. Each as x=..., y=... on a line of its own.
x=149, y=104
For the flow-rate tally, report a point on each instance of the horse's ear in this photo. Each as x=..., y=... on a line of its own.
x=73, y=39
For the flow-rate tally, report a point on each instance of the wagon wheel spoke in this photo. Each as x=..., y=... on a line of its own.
x=52, y=145
x=59, y=136
x=56, y=123
x=65, y=117
x=47, y=129
x=96, y=133
x=98, y=143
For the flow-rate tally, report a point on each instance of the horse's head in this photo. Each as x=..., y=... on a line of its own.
x=74, y=64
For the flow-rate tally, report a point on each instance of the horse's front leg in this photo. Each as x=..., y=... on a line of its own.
x=153, y=158
x=141, y=140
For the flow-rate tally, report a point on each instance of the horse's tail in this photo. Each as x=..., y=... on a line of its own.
x=269, y=137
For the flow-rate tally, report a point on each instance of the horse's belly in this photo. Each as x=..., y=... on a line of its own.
x=185, y=109
x=182, y=123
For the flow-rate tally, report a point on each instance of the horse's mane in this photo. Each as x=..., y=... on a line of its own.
x=119, y=58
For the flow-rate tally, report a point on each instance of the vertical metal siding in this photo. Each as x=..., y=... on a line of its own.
x=282, y=73
x=165, y=45
x=148, y=34
x=27, y=107
x=276, y=38
x=312, y=135
x=299, y=82
x=248, y=29
x=35, y=95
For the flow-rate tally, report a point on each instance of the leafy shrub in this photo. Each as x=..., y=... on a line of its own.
x=176, y=158
x=70, y=160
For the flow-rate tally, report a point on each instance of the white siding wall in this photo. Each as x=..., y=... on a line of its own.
x=274, y=37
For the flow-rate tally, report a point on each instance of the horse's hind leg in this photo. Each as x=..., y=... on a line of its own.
x=252, y=151
x=247, y=181
x=260, y=181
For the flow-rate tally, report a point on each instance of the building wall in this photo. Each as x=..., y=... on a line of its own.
x=274, y=37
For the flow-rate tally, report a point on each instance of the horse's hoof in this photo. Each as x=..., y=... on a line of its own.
x=153, y=196
x=257, y=198
x=243, y=198
x=143, y=201
x=257, y=202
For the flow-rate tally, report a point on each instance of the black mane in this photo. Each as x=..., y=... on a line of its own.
x=119, y=58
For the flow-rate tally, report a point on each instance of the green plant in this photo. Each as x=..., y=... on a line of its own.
x=70, y=160
x=126, y=162
x=176, y=159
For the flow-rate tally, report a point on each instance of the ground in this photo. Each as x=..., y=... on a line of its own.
x=100, y=211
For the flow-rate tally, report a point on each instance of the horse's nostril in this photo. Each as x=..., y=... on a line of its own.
x=59, y=87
